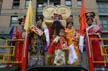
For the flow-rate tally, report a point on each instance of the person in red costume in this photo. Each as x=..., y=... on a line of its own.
x=53, y=31
x=94, y=31
x=19, y=34
x=61, y=46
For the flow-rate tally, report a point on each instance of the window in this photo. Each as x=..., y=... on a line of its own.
x=40, y=8
x=102, y=6
x=55, y=2
x=14, y=20
x=45, y=4
x=104, y=23
x=40, y=5
x=78, y=3
x=1, y=4
x=27, y=3
x=68, y=3
x=16, y=4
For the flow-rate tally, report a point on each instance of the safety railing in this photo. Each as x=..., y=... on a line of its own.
x=103, y=50
x=7, y=51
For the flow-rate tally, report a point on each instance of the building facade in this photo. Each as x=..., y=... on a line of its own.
x=10, y=10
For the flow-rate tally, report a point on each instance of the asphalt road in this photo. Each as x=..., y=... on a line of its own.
x=8, y=69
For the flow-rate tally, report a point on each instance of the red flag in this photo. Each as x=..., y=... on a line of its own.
x=82, y=33
x=82, y=26
x=82, y=19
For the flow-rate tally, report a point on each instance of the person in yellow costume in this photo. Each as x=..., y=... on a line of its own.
x=76, y=39
x=71, y=36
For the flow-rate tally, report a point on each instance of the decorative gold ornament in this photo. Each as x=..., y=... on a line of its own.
x=64, y=11
x=48, y=11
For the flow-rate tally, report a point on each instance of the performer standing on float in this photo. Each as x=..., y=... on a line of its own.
x=61, y=46
x=19, y=34
x=75, y=41
x=38, y=45
x=49, y=57
x=69, y=34
x=94, y=31
x=56, y=25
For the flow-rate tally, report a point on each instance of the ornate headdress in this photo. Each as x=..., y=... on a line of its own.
x=90, y=15
x=57, y=17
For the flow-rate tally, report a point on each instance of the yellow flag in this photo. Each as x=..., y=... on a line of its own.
x=29, y=17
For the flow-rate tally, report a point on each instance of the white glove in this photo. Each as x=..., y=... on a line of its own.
x=81, y=43
x=56, y=39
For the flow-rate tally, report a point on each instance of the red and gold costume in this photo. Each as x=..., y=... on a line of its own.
x=51, y=47
x=19, y=44
x=95, y=43
x=59, y=53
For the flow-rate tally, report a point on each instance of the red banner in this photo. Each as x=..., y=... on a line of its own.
x=36, y=30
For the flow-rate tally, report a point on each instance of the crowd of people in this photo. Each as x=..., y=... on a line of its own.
x=59, y=44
